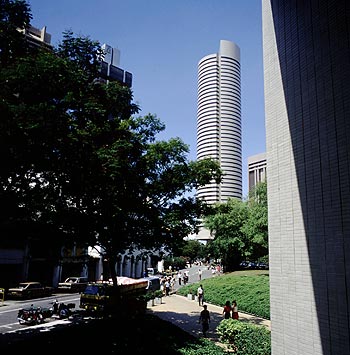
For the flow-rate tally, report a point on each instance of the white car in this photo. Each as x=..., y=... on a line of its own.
x=73, y=284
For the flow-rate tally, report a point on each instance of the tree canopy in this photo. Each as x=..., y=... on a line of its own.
x=226, y=223
x=80, y=164
x=240, y=228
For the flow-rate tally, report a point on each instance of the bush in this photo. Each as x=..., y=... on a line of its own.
x=250, y=288
x=158, y=294
x=203, y=347
x=244, y=338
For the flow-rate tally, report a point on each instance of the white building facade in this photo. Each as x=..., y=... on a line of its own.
x=219, y=129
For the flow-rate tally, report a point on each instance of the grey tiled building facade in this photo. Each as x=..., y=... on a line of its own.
x=307, y=102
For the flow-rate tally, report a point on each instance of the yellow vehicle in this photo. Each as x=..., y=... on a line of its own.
x=104, y=297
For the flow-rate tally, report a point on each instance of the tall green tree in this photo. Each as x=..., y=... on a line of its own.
x=226, y=223
x=256, y=225
x=193, y=250
x=14, y=14
x=240, y=228
x=83, y=165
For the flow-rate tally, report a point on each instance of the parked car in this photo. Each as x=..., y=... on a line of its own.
x=263, y=266
x=30, y=289
x=73, y=284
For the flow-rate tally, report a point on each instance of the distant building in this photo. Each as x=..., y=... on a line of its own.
x=37, y=37
x=110, y=67
x=219, y=134
x=256, y=169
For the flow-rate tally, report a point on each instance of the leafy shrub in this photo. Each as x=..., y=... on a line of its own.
x=158, y=294
x=203, y=347
x=251, y=290
x=177, y=263
x=245, y=338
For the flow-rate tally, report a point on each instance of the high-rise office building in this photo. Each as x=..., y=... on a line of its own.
x=110, y=70
x=256, y=169
x=219, y=133
x=219, y=120
x=307, y=102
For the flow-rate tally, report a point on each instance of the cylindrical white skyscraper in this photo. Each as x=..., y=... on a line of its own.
x=219, y=133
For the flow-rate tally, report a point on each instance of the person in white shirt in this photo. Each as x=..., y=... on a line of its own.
x=200, y=295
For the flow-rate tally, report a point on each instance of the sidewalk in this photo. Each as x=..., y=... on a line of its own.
x=185, y=314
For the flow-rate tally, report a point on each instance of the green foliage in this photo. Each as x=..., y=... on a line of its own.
x=249, y=288
x=177, y=262
x=193, y=249
x=240, y=229
x=226, y=222
x=244, y=338
x=79, y=164
x=14, y=15
x=158, y=294
x=146, y=297
x=256, y=226
x=203, y=347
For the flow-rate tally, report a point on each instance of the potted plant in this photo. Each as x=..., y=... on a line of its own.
x=147, y=297
x=191, y=294
x=158, y=294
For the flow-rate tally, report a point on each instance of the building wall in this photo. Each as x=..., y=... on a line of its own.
x=256, y=169
x=110, y=67
x=219, y=120
x=307, y=103
x=37, y=37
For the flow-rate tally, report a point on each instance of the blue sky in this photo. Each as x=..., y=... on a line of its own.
x=161, y=43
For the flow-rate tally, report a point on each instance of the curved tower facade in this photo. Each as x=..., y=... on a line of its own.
x=219, y=120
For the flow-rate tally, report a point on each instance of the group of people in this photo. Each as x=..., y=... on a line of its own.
x=183, y=277
x=230, y=310
x=167, y=284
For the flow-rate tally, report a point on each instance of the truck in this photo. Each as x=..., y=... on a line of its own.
x=106, y=298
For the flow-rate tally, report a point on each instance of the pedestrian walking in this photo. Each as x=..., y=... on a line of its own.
x=204, y=318
x=200, y=274
x=167, y=287
x=235, y=314
x=186, y=276
x=200, y=295
x=227, y=310
x=179, y=277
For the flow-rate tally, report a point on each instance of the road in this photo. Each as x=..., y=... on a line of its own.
x=194, y=276
x=10, y=308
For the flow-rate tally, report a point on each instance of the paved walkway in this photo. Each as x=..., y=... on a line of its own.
x=184, y=313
